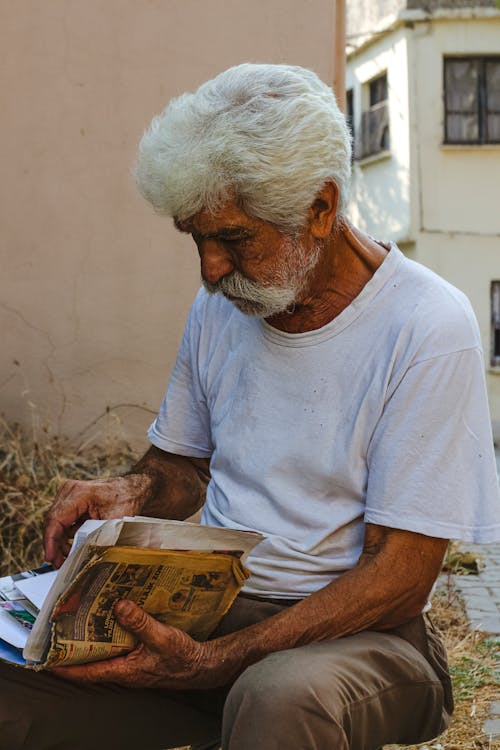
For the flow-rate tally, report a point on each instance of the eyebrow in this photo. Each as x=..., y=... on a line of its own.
x=226, y=233
x=231, y=232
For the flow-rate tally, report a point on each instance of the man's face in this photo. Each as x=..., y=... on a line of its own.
x=249, y=261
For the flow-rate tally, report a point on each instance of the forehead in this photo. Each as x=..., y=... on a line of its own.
x=228, y=216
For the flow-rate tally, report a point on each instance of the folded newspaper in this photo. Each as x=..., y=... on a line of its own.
x=182, y=573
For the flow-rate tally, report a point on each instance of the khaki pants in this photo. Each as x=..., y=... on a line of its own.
x=357, y=692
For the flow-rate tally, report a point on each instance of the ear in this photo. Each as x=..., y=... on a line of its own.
x=323, y=211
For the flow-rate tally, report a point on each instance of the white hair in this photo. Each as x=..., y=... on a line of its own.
x=270, y=136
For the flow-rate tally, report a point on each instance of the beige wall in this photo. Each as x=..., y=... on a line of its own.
x=94, y=286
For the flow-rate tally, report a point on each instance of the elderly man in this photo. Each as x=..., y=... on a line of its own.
x=329, y=393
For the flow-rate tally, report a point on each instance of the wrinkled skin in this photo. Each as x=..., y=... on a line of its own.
x=396, y=571
x=388, y=587
x=77, y=501
x=160, y=485
x=165, y=657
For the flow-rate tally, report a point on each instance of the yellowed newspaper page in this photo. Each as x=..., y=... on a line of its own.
x=189, y=590
x=137, y=531
x=105, y=535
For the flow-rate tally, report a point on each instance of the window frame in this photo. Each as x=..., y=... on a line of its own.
x=371, y=104
x=374, y=90
x=481, y=109
x=495, y=323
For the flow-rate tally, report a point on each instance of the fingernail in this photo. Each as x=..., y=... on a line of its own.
x=124, y=608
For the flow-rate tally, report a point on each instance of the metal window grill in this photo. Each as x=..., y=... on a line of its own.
x=495, y=324
x=375, y=130
x=374, y=136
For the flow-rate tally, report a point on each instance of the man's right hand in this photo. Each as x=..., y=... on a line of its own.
x=77, y=501
x=160, y=484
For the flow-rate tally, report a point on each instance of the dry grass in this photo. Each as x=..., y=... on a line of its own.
x=31, y=472
x=474, y=668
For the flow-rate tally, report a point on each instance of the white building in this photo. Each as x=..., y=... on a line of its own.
x=423, y=93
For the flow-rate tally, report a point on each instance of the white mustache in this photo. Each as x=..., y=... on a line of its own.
x=265, y=300
x=238, y=286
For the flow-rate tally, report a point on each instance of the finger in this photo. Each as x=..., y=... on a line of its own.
x=57, y=560
x=108, y=670
x=70, y=509
x=134, y=619
x=53, y=542
x=56, y=542
x=60, y=555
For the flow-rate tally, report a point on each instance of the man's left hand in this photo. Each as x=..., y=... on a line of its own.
x=164, y=658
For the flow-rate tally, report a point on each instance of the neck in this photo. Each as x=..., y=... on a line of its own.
x=348, y=261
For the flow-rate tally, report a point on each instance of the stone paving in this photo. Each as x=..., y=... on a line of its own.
x=481, y=596
x=481, y=593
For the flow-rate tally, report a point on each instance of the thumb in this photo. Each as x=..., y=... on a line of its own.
x=137, y=621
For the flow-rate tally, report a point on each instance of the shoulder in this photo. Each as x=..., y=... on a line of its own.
x=434, y=318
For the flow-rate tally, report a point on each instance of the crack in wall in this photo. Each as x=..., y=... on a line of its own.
x=27, y=323
x=45, y=361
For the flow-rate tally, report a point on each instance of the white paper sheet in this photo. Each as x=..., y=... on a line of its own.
x=36, y=588
x=12, y=631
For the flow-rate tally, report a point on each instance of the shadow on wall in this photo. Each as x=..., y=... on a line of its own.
x=380, y=198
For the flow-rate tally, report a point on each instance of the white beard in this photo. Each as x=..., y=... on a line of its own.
x=288, y=280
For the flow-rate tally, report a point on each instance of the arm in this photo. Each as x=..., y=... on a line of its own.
x=388, y=587
x=174, y=486
x=160, y=484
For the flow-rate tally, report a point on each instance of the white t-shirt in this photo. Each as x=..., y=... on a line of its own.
x=379, y=416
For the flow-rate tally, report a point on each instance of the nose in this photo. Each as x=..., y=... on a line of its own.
x=215, y=262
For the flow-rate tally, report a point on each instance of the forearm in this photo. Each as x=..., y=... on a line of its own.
x=384, y=590
x=174, y=486
x=388, y=587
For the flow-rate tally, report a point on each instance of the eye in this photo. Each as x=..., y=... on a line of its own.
x=235, y=243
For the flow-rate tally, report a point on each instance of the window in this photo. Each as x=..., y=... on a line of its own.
x=375, y=120
x=472, y=99
x=378, y=90
x=495, y=324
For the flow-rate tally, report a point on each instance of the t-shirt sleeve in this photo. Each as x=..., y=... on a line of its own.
x=183, y=422
x=431, y=466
